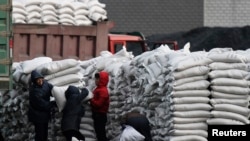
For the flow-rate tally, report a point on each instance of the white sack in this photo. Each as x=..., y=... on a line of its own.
x=130, y=134
x=187, y=100
x=59, y=94
x=192, y=114
x=232, y=90
x=30, y=65
x=230, y=115
x=189, y=79
x=57, y=66
x=196, y=85
x=194, y=71
x=232, y=108
x=188, y=138
x=216, y=95
x=65, y=79
x=201, y=133
x=192, y=126
x=230, y=82
x=239, y=102
x=226, y=66
x=191, y=93
x=223, y=121
x=190, y=107
x=232, y=73
x=71, y=70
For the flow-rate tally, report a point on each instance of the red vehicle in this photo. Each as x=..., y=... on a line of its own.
x=134, y=44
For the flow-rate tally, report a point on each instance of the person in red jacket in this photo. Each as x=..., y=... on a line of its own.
x=100, y=105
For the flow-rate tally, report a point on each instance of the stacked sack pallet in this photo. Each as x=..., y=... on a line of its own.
x=174, y=89
x=64, y=12
x=49, y=12
x=19, y=12
x=189, y=96
x=126, y=93
x=142, y=84
x=230, y=90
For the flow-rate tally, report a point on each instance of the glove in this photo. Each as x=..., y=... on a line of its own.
x=89, y=95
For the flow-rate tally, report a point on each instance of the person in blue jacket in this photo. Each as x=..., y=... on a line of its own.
x=39, y=105
x=73, y=112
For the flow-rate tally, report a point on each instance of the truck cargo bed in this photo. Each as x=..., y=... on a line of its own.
x=59, y=41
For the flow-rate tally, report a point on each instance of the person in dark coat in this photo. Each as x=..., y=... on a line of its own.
x=39, y=105
x=73, y=112
x=139, y=122
x=100, y=105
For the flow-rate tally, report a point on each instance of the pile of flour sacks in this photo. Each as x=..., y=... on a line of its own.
x=54, y=12
x=180, y=92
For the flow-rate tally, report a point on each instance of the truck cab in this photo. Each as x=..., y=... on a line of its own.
x=134, y=44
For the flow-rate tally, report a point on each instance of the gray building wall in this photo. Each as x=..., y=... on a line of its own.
x=169, y=16
x=154, y=16
x=226, y=13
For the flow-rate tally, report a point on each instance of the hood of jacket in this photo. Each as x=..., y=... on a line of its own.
x=72, y=90
x=104, y=78
x=35, y=75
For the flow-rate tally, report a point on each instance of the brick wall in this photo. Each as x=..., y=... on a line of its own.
x=154, y=16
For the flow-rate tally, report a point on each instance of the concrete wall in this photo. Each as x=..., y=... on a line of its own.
x=169, y=16
x=155, y=16
x=227, y=13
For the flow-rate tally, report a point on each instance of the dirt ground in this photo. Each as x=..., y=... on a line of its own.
x=206, y=38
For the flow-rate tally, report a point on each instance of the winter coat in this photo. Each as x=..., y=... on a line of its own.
x=39, y=100
x=140, y=123
x=100, y=101
x=73, y=110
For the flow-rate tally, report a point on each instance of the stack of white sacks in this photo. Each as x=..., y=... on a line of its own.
x=229, y=87
x=81, y=13
x=65, y=12
x=49, y=12
x=19, y=12
x=97, y=10
x=189, y=96
x=180, y=92
x=34, y=11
